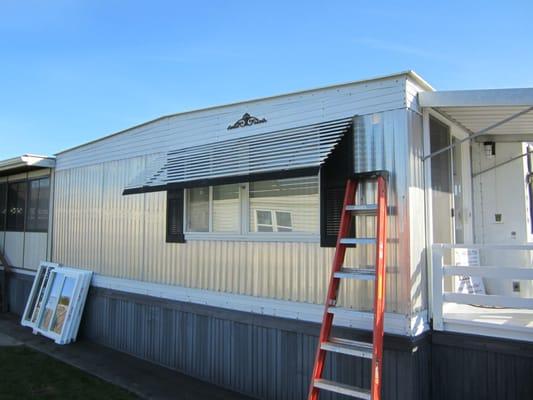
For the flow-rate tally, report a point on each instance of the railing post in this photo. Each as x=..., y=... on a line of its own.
x=438, y=287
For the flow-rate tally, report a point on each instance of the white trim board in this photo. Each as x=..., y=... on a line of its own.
x=502, y=331
x=394, y=323
x=397, y=324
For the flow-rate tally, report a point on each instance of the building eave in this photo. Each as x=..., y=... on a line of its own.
x=24, y=163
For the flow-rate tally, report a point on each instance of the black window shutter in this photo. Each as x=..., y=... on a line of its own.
x=333, y=175
x=175, y=216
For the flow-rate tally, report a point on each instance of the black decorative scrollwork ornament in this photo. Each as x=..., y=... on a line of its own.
x=247, y=120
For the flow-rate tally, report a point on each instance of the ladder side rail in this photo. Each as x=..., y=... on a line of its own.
x=379, y=290
x=331, y=298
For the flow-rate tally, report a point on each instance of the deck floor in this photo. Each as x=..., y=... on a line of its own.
x=507, y=318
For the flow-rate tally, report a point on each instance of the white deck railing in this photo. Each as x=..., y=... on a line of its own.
x=441, y=271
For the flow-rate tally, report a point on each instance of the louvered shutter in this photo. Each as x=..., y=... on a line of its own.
x=333, y=175
x=175, y=216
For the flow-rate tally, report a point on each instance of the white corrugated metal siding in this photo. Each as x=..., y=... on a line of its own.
x=124, y=236
x=207, y=126
x=96, y=227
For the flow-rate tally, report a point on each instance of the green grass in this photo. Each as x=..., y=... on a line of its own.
x=26, y=374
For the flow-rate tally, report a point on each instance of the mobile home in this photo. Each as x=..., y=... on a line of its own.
x=211, y=235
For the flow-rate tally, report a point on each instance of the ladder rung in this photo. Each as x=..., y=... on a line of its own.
x=342, y=312
x=342, y=388
x=362, y=274
x=363, y=209
x=347, y=346
x=358, y=241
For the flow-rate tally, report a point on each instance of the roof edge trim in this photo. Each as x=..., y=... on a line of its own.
x=27, y=161
x=477, y=98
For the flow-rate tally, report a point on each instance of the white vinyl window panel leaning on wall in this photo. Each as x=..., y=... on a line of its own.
x=262, y=210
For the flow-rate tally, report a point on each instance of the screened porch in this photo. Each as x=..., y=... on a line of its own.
x=478, y=172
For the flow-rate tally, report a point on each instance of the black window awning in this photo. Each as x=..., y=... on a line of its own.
x=283, y=153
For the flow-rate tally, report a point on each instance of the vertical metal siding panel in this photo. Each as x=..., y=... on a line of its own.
x=78, y=206
x=68, y=221
x=381, y=142
x=416, y=284
x=74, y=226
x=89, y=200
x=59, y=217
x=122, y=220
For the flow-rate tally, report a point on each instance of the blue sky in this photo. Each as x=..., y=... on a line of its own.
x=73, y=71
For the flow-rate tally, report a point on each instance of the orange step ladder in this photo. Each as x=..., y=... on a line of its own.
x=374, y=350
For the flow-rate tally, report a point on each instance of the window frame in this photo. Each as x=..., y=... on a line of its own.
x=25, y=225
x=274, y=218
x=16, y=228
x=3, y=200
x=245, y=216
x=38, y=301
x=29, y=181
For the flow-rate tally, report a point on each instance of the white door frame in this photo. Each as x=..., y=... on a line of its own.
x=466, y=176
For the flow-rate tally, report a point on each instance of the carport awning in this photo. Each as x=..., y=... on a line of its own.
x=508, y=112
x=288, y=153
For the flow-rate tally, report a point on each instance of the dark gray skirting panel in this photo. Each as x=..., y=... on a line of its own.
x=477, y=367
x=18, y=290
x=271, y=358
x=264, y=357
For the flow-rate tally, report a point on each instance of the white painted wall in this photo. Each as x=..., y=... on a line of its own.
x=35, y=249
x=24, y=250
x=14, y=248
x=502, y=191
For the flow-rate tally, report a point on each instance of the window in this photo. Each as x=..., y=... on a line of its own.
x=16, y=205
x=276, y=206
x=198, y=209
x=27, y=205
x=214, y=209
x=3, y=205
x=56, y=301
x=284, y=205
x=226, y=208
x=273, y=221
x=38, y=205
x=35, y=299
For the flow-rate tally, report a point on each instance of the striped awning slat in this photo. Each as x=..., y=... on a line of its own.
x=283, y=150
